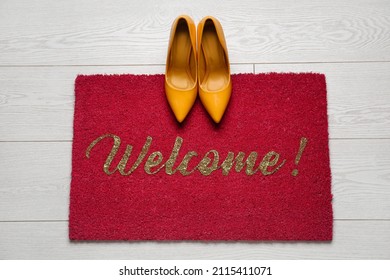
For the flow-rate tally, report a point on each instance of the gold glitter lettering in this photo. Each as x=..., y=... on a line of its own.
x=124, y=159
x=152, y=162
x=122, y=164
x=269, y=161
x=239, y=161
x=114, y=150
x=184, y=164
x=203, y=164
x=172, y=159
x=206, y=166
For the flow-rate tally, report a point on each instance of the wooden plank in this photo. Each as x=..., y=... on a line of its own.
x=35, y=179
x=49, y=240
x=361, y=178
x=358, y=96
x=37, y=103
x=136, y=32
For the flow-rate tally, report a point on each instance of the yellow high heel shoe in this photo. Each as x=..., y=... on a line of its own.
x=214, y=81
x=181, y=67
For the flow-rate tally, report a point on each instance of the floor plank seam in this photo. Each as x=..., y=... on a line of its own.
x=325, y=62
x=159, y=64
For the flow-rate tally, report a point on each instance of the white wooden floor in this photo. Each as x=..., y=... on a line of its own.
x=44, y=44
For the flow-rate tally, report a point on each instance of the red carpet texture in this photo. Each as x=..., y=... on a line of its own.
x=261, y=174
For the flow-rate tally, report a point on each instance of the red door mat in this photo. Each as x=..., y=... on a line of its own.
x=261, y=174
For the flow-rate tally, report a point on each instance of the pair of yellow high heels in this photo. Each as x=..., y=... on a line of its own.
x=197, y=61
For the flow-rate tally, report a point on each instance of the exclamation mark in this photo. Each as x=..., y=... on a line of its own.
x=299, y=155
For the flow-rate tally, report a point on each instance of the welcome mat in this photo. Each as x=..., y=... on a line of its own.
x=261, y=174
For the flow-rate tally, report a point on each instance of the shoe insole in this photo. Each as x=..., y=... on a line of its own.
x=216, y=75
x=179, y=72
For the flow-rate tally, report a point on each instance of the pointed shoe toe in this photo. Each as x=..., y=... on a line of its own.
x=214, y=81
x=216, y=103
x=181, y=67
x=180, y=101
